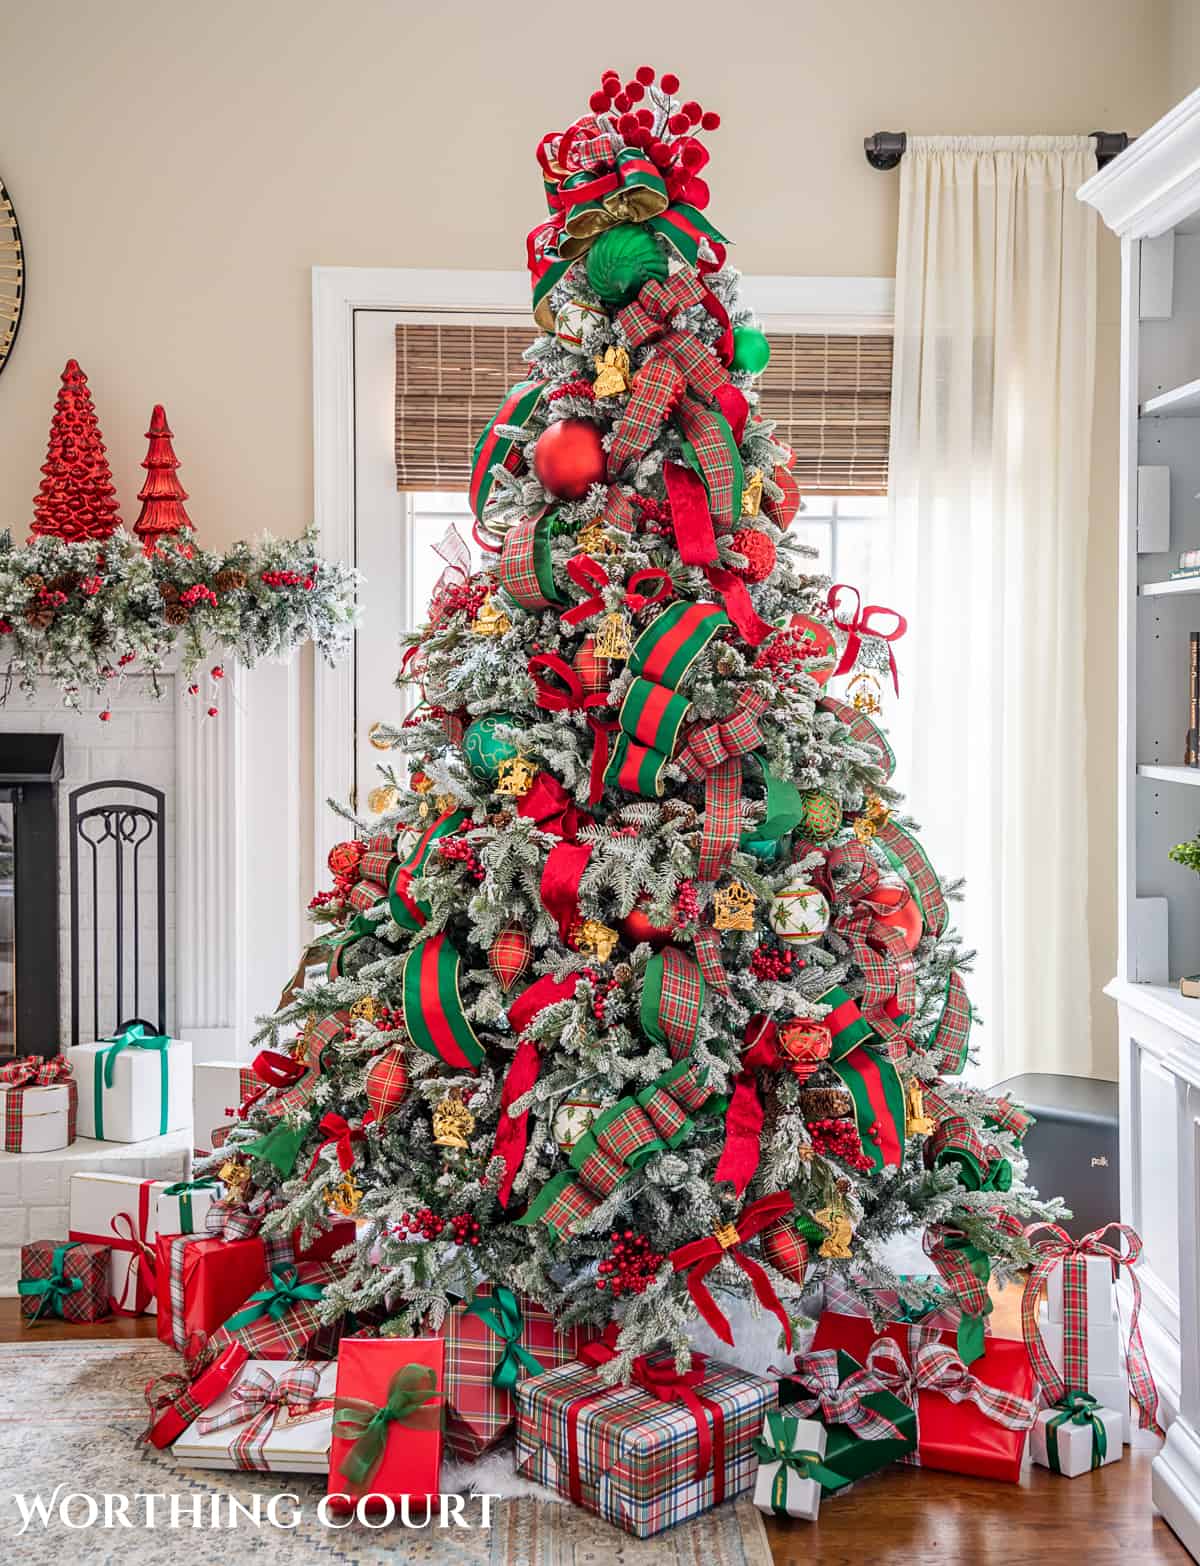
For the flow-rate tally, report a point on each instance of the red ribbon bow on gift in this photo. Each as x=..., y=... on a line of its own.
x=698, y=1258
x=862, y=622
x=591, y=578
x=839, y=1402
x=937, y=1368
x=34, y=1071
x=1056, y=1247
x=341, y=1136
x=570, y=697
x=714, y=752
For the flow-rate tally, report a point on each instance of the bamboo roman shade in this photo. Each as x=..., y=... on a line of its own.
x=830, y=398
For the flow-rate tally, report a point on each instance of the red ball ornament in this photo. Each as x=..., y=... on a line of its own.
x=786, y=1251
x=636, y=927
x=903, y=912
x=804, y=1044
x=509, y=956
x=759, y=551
x=344, y=858
x=569, y=458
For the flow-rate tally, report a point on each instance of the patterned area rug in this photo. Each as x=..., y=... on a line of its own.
x=69, y=1417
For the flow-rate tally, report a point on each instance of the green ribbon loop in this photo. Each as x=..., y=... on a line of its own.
x=104, y=1066
x=368, y=1425
x=280, y=1147
x=183, y=1190
x=1076, y=1408
x=781, y=1449
x=54, y=1289
x=284, y=1291
x=502, y=1314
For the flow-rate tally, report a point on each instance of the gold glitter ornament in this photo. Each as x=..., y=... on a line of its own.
x=733, y=907
x=381, y=798
x=595, y=539
x=345, y=1197
x=516, y=776
x=612, y=373
x=752, y=491
x=596, y=940
x=490, y=621
x=235, y=1177
x=865, y=691
x=613, y=640
x=874, y=815
x=363, y=1009
x=453, y=1123
x=836, y=1246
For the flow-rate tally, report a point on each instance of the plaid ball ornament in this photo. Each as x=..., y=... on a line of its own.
x=387, y=1083
x=509, y=956
x=593, y=672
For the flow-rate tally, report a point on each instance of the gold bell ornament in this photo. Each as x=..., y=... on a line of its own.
x=515, y=776
x=453, y=1122
x=612, y=373
x=613, y=640
x=490, y=621
x=752, y=492
x=733, y=907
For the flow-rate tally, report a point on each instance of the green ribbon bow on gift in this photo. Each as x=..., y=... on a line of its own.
x=284, y=1291
x=56, y=1287
x=368, y=1425
x=183, y=1190
x=502, y=1314
x=135, y=1036
x=1076, y=1408
x=781, y=1449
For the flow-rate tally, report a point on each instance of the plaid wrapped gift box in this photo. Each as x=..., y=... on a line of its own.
x=64, y=1279
x=492, y=1342
x=39, y=1105
x=631, y=1457
x=281, y=1319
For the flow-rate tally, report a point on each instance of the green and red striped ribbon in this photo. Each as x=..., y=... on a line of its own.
x=847, y=1026
x=491, y=450
x=870, y=1079
x=434, y=1018
x=683, y=227
x=408, y=913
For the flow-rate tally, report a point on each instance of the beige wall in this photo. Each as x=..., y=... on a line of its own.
x=179, y=168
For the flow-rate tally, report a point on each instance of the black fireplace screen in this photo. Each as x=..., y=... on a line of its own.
x=117, y=837
x=30, y=768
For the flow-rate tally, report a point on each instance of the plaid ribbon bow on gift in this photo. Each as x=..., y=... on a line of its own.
x=33, y=1072
x=841, y=1402
x=258, y=1400
x=229, y=1219
x=1057, y=1248
x=937, y=1368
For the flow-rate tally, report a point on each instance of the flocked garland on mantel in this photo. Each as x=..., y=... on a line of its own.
x=85, y=602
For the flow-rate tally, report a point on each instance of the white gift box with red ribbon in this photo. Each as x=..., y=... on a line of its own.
x=120, y=1211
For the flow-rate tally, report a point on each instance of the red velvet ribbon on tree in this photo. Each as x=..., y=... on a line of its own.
x=591, y=578
x=696, y=540
x=698, y=1258
x=570, y=697
x=862, y=622
x=512, y=1131
x=561, y=875
x=744, y=1114
x=341, y=1136
x=551, y=809
x=1056, y=1248
x=714, y=753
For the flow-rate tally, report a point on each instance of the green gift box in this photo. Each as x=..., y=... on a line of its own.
x=846, y=1451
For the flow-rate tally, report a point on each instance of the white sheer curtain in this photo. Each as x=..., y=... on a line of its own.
x=990, y=466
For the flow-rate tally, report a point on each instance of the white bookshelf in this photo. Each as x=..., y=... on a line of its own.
x=1150, y=196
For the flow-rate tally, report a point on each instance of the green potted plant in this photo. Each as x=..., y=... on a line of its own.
x=1188, y=855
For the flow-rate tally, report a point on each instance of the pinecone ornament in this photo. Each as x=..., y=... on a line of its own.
x=229, y=580
x=175, y=614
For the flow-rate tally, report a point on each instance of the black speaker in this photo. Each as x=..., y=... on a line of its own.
x=1073, y=1149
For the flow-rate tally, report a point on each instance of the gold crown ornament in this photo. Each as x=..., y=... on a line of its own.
x=733, y=907
x=752, y=492
x=595, y=539
x=345, y=1197
x=490, y=621
x=515, y=776
x=596, y=940
x=612, y=373
x=613, y=640
x=453, y=1123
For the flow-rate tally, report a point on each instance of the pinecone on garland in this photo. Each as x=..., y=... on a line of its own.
x=39, y=617
x=176, y=614
x=229, y=580
x=34, y=582
x=168, y=592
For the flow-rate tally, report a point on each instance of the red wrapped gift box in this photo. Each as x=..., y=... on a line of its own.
x=492, y=1342
x=65, y=1280
x=175, y=1402
x=280, y=1318
x=201, y=1282
x=957, y=1438
x=325, y=1244
x=401, y=1455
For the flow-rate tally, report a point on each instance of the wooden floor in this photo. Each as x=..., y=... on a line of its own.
x=906, y=1516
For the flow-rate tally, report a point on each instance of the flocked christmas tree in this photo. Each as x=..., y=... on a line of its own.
x=76, y=499
x=644, y=994
x=162, y=495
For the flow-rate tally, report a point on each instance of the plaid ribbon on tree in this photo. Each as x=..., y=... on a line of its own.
x=952, y=1031
x=18, y=1076
x=861, y=729
x=838, y=1399
x=524, y=566
x=620, y=1140
x=374, y=872
x=229, y=1219
x=966, y=1270
x=956, y=1144
x=282, y=1320
x=657, y=389
x=648, y=319
x=258, y=1400
x=911, y=860
x=714, y=753
x=712, y=451
x=937, y=1368
x=880, y=950
x=1056, y=1248
x=706, y=943
x=1005, y=1116
x=672, y=1000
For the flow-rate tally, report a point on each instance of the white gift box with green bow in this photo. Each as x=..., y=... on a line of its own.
x=134, y=1086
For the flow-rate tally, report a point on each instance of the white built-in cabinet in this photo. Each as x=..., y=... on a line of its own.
x=1150, y=197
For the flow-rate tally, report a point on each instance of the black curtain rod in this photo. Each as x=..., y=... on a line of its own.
x=885, y=148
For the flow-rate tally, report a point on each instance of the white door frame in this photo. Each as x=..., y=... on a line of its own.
x=788, y=304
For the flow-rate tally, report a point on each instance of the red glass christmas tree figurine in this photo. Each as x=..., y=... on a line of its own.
x=162, y=495
x=76, y=499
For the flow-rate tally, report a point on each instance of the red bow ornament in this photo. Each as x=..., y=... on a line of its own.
x=341, y=1136
x=874, y=620
x=698, y=1258
x=714, y=752
x=649, y=586
x=560, y=689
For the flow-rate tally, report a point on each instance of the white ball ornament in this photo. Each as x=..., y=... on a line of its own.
x=573, y=1119
x=799, y=912
x=574, y=321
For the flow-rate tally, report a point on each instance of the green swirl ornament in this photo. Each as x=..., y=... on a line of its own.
x=483, y=751
x=621, y=260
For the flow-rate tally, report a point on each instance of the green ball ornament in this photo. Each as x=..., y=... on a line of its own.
x=483, y=751
x=621, y=260
x=751, y=350
x=822, y=815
